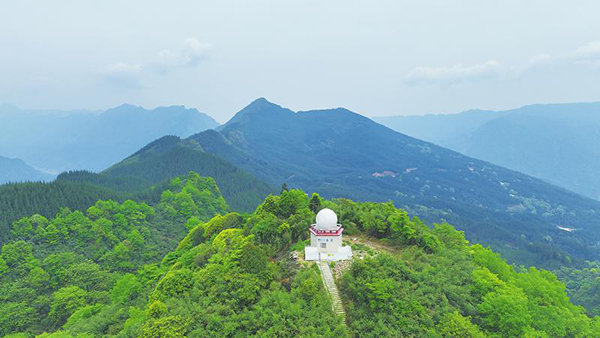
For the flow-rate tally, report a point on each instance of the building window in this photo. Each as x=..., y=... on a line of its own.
x=323, y=245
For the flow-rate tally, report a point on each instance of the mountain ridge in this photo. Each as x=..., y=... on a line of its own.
x=13, y=170
x=553, y=142
x=87, y=140
x=339, y=153
x=171, y=156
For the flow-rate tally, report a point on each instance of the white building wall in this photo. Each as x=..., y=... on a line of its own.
x=332, y=243
x=313, y=240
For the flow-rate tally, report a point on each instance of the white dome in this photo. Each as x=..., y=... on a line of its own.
x=327, y=220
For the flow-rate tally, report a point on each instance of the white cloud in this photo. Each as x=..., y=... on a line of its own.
x=194, y=51
x=541, y=60
x=587, y=56
x=589, y=51
x=191, y=54
x=456, y=74
x=124, y=74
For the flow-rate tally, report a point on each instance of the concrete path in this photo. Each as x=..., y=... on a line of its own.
x=332, y=289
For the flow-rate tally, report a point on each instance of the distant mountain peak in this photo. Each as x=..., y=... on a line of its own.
x=261, y=108
x=126, y=106
x=260, y=99
x=339, y=111
x=261, y=103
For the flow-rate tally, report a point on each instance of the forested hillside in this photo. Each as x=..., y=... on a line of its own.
x=73, y=190
x=52, y=267
x=169, y=157
x=583, y=285
x=22, y=199
x=141, y=177
x=234, y=275
x=339, y=153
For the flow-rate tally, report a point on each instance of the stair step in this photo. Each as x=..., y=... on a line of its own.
x=331, y=288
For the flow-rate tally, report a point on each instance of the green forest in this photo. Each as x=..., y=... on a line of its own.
x=141, y=178
x=187, y=265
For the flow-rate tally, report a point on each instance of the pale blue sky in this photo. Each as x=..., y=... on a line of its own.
x=373, y=57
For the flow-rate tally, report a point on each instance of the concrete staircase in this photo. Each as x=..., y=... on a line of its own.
x=332, y=289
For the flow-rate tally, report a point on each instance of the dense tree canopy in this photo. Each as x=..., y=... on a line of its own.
x=52, y=268
x=116, y=270
x=584, y=285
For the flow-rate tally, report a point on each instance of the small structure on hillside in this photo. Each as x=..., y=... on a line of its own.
x=326, y=239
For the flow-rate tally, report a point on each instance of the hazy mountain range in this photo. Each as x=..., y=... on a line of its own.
x=338, y=153
x=334, y=152
x=56, y=141
x=559, y=143
x=15, y=170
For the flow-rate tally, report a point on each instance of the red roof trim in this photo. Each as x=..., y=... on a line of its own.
x=317, y=232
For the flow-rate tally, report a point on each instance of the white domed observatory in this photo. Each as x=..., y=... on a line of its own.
x=326, y=239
